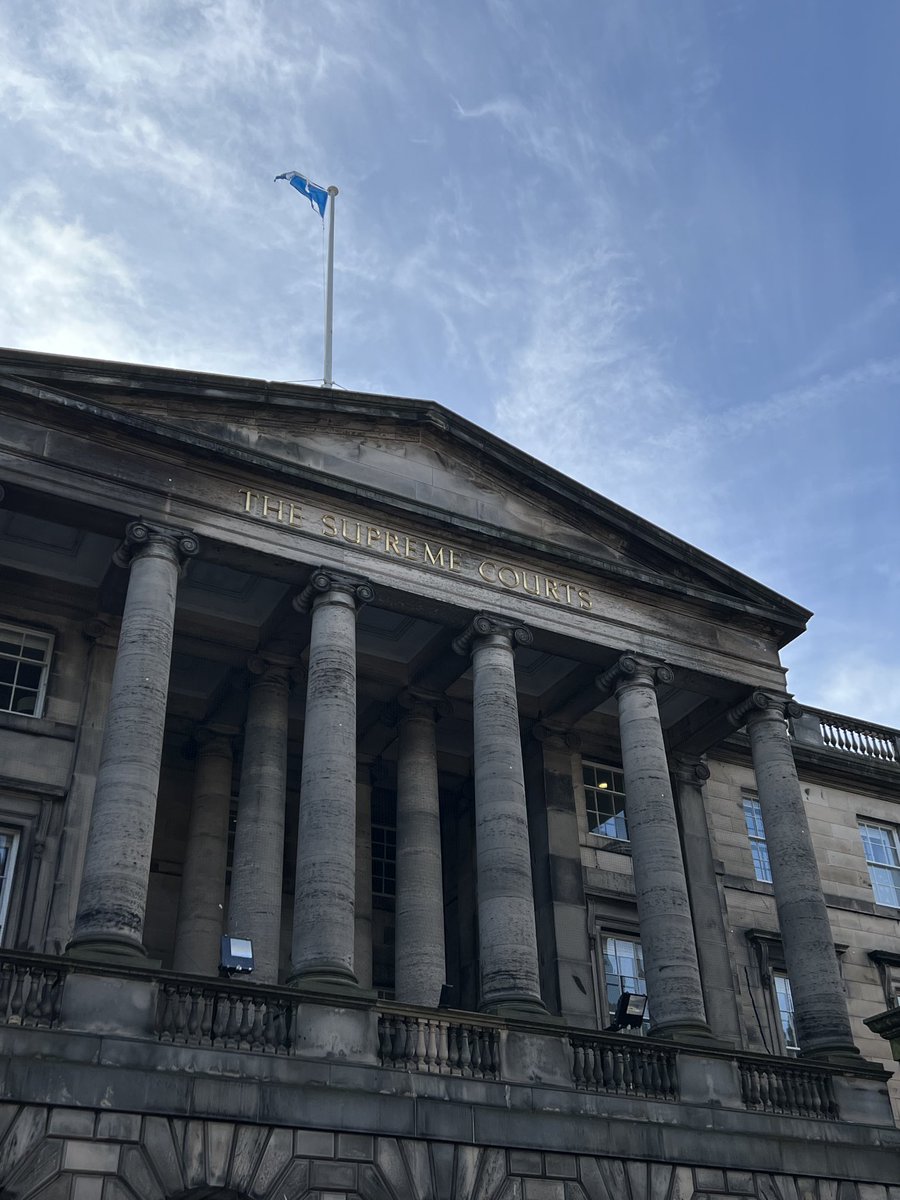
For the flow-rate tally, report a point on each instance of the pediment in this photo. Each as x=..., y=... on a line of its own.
x=417, y=456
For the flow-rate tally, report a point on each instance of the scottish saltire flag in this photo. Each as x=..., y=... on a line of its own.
x=317, y=196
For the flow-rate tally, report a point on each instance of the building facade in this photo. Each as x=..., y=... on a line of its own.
x=465, y=752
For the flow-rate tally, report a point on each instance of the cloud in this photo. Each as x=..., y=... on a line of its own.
x=859, y=685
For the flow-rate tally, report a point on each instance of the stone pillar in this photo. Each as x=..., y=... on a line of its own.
x=510, y=981
x=362, y=917
x=111, y=904
x=254, y=906
x=707, y=909
x=322, y=951
x=560, y=905
x=667, y=934
x=201, y=905
x=820, y=1005
x=419, y=957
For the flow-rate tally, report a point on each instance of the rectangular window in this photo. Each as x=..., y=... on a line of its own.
x=604, y=796
x=9, y=845
x=623, y=971
x=24, y=666
x=882, y=848
x=384, y=843
x=785, y=1002
x=757, y=835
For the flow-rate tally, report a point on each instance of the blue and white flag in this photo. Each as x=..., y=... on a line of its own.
x=317, y=196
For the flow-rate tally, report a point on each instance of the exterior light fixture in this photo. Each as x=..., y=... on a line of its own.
x=236, y=956
x=629, y=1013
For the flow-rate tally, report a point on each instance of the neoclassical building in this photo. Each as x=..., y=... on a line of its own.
x=462, y=754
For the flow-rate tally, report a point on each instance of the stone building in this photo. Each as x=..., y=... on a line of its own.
x=465, y=752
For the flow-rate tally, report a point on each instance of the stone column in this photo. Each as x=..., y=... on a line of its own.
x=201, y=905
x=110, y=920
x=820, y=1005
x=508, y=945
x=254, y=906
x=707, y=908
x=664, y=912
x=362, y=922
x=419, y=957
x=322, y=950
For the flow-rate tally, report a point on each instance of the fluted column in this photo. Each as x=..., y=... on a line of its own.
x=322, y=950
x=201, y=905
x=113, y=896
x=667, y=934
x=419, y=959
x=820, y=1005
x=254, y=906
x=506, y=926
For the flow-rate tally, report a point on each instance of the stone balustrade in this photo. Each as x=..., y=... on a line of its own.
x=831, y=731
x=439, y=1044
x=625, y=1065
x=30, y=989
x=775, y=1086
x=221, y=1015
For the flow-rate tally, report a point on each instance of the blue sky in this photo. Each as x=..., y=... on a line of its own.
x=654, y=244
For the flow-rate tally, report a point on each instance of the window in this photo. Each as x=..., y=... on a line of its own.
x=623, y=971
x=604, y=796
x=883, y=858
x=9, y=845
x=785, y=1003
x=24, y=665
x=757, y=835
x=384, y=843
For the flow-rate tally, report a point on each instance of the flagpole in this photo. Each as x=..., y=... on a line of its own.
x=329, y=291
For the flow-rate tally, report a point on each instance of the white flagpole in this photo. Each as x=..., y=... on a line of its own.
x=329, y=290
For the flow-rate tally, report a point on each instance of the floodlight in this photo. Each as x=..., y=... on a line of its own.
x=236, y=955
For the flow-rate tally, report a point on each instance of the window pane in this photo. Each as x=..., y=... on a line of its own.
x=882, y=849
x=605, y=801
x=24, y=656
x=785, y=1003
x=623, y=969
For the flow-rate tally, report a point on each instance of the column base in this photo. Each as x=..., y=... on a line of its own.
x=331, y=981
x=837, y=1055
x=523, y=1008
x=694, y=1033
x=120, y=952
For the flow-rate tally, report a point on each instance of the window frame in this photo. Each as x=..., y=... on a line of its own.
x=759, y=849
x=587, y=789
x=789, y=1049
x=894, y=840
x=40, y=698
x=6, y=886
x=606, y=1012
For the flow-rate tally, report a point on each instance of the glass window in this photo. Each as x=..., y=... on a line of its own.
x=604, y=796
x=623, y=971
x=785, y=1003
x=384, y=844
x=883, y=858
x=24, y=664
x=9, y=845
x=757, y=835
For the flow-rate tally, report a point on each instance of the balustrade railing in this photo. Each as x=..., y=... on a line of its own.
x=779, y=1087
x=439, y=1045
x=30, y=991
x=624, y=1065
x=233, y=1018
x=848, y=735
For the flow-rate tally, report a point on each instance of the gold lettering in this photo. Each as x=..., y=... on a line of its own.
x=346, y=536
x=489, y=565
x=568, y=588
x=391, y=543
x=537, y=587
x=411, y=549
x=510, y=571
x=251, y=496
x=277, y=508
x=294, y=510
x=329, y=524
x=585, y=597
x=373, y=535
x=552, y=588
x=454, y=564
x=432, y=559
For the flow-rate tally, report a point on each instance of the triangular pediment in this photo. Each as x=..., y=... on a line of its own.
x=410, y=454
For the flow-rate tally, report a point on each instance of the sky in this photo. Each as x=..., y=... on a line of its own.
x=654, y=245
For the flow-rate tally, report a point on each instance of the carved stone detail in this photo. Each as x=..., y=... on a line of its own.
x=142, y=537
x=324, y=580
x=488, y=625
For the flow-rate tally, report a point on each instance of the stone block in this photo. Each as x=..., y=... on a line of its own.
x=544, y=1189
x=525, y=1162
x=100, y=1004
x=332, y=1174
x=101, y=1157
x=337, y=1033
x=561, y=1166
x=709, y=1081
x=740, y=1182
x=710, y=1178
x=119, y=1127
x=535, y=1058
x=358, y=1146
x=87, y=1188
x=313, y=1143
x=71, y=1122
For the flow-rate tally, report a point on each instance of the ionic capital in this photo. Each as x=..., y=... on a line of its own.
x=760, y=705
x=486, y=625
x=632, y=670
x=688, y=769
x=416, y=702
x=324, y=580
x=143, y=539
